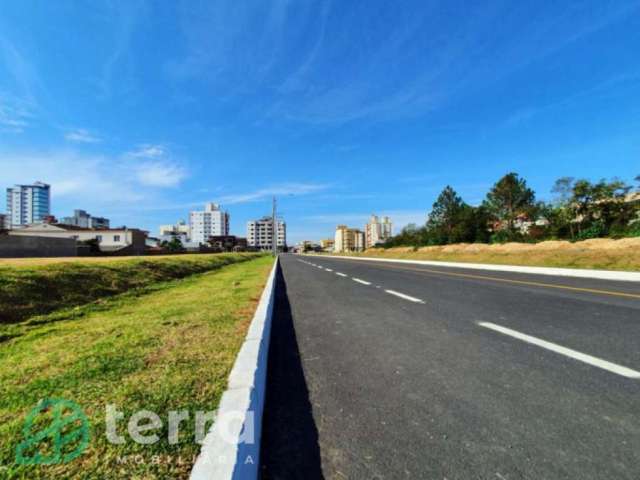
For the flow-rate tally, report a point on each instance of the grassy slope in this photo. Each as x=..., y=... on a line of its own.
x=604, y=254
x=169, y=349
x=39, y=287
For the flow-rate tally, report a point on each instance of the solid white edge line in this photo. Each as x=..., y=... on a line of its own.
x=560, y=272
x=361, y=281
x=341, y=274
x=406, y=297
x=582, y=357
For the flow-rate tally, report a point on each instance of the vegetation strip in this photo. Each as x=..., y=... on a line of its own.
x=172, y=349
x=40, y=288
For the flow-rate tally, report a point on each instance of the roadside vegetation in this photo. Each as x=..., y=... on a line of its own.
x=580, y=210
x=36, y=287
x=169, y=349
x=600, y=253
x=587, y=225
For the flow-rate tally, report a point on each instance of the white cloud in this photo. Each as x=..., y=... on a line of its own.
x=160, y=174
x=147, y=150
x=101, y=183
x=81, y=135
x=15, y=114
x=276, y=190
x=153, y=166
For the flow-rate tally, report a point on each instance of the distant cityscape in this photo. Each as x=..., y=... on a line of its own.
x=29, y=229
x=347, y=239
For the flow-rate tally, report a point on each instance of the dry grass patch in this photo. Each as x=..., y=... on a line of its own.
x=604, y=254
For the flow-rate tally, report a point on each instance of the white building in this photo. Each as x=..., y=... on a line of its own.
x=377, y=231
x=82, y=219
x=348, y=239
x=210, y=222
x=27, y=204
x=260, y=234
x=179, y=229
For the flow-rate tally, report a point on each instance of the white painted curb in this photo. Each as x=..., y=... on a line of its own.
x=560, y=272
x=224, y=454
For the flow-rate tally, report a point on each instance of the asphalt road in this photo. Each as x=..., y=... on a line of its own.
x=402, y=371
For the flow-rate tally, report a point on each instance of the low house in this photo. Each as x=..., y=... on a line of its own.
x=228, y=243
x=116, y=241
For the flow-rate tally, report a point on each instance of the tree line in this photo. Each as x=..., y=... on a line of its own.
x=580, y=210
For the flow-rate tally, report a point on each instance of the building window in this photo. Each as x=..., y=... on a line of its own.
x=99, y=238
x=116, y=238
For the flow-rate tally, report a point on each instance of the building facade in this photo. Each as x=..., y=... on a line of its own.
x=4, y=222
x=327, y=244
x=122, y=241
x=211, y=222
x=180, y=230
x=27, y=204
x=82, y=219
x=348, y=239
x=228, y=243
x=377, y=232
x=260, y=234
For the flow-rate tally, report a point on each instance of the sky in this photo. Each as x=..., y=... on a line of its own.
x=143, y=110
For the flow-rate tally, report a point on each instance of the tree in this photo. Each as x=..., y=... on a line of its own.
x=563, y=189
x=445, y=214
x=173, y=246
x=601, y=206
x=560, y=215
x=509, y=198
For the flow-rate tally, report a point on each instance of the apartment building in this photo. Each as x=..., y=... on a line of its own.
x=27, y=204
x=260, y=234
x=348, y=239
x=81, y=218
x=211, y=222
x=377, y=231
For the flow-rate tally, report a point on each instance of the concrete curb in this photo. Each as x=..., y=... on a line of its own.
x=224, y=454
x=560, y=272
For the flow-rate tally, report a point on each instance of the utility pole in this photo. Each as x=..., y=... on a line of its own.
x=274, y=229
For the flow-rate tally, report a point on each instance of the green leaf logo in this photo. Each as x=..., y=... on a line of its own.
x=55, y=431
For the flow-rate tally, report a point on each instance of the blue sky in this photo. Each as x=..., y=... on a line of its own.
x=141, y=111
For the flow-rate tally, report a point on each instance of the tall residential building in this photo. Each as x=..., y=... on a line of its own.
x=260, y=234
x=212, y=222
x=377, y=231
x=27, y=204
x=82, y=219
x=348, y=239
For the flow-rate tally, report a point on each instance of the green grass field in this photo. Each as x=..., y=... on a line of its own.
x=168, y=347
x=39, y=286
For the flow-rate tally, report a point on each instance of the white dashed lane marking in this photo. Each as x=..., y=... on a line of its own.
x=567, y=352
x=403, y=296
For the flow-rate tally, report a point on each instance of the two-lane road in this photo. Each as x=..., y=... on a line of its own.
x=387, y=370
